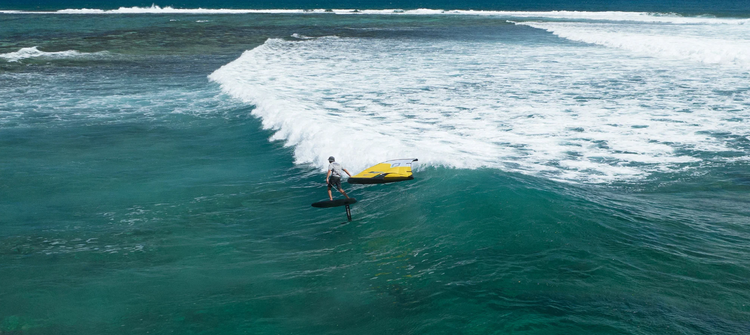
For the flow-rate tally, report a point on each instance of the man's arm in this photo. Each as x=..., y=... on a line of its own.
x=347, y=172
x=328, y=175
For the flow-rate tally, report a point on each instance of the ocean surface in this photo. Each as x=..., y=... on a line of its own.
x=584, y=168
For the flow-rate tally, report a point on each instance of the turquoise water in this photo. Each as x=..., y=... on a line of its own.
x=577, y=174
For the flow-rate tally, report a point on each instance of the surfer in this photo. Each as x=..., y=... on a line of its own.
x=333, y=177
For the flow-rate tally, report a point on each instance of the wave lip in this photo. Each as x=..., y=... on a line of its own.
x=34, y=52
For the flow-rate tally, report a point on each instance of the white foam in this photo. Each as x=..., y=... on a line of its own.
x=561, y=111
x=613, y=16
x=154, y=9
x=301, y=37
x=710, y=44
x=33, y=52
x=558, y=15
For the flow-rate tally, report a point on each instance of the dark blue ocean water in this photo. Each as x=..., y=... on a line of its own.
x=579, y=172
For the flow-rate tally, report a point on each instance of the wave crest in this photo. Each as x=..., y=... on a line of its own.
x=700, y=43
x=34, y=52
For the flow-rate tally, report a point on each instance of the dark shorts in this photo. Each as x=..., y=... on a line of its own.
x=334, y=182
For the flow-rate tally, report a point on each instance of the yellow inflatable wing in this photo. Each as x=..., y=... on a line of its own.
x=386, y=172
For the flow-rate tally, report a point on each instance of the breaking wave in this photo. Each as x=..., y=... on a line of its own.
x=34, y=52
x=572, y=113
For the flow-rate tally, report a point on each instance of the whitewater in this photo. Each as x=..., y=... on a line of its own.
x=641, y=94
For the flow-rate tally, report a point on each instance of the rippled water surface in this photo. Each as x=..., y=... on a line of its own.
x=579, y=172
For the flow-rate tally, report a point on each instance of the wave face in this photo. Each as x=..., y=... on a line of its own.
x=598, y=112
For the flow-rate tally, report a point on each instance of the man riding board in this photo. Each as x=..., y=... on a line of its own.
x=333, y=177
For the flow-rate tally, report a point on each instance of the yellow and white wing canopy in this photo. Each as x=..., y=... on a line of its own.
x=385, y=172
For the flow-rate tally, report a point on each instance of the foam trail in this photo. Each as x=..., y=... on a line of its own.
x=567, y=113
x=33, y=52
